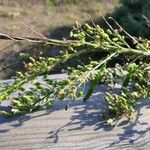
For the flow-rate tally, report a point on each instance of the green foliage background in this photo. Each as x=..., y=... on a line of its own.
x=130, y=16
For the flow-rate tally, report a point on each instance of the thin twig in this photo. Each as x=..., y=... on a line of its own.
x=147, y=20
x=8, y=46
x=90, y=19
x=11, y=65
x=38, y=40
x=124, y=30
x=39, y=34
x=134, y=40
x=114, y=31
x=108, y=24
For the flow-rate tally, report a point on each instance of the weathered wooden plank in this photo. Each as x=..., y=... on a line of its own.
x=79, y=128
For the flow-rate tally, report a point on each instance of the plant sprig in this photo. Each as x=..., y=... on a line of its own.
x=133, y=75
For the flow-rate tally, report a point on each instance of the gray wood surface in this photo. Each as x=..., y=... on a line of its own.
x=78, y=128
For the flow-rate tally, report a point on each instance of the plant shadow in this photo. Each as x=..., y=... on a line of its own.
x=86, y=116
x=135, y=130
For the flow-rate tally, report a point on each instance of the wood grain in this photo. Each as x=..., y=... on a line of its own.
x=78, y=128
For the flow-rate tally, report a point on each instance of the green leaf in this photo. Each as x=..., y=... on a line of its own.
x=127, y=80
x=94, y=82
x=91, y=89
